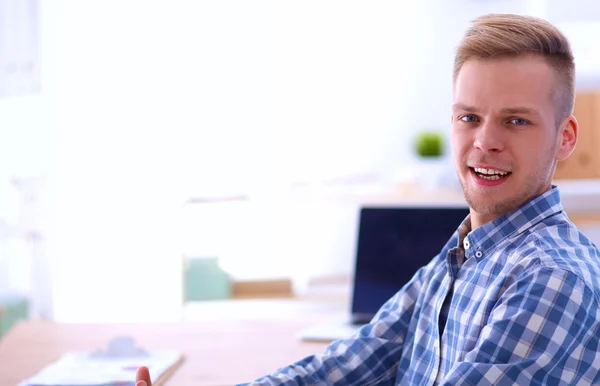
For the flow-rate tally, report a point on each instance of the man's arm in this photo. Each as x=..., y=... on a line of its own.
x=370, y=357
x=544, y=330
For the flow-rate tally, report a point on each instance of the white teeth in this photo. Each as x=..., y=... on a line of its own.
x=491, y=178
x=490, y=172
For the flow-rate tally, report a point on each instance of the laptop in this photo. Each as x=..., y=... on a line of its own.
x=391, y=245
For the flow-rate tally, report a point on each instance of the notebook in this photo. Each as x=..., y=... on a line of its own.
x=116, y=365
x=392, y=243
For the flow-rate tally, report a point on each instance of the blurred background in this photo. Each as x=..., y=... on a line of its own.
x=141, y=139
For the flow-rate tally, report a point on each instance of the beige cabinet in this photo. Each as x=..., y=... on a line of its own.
x=585, y=160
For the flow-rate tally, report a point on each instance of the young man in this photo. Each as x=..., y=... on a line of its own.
x=514, y=296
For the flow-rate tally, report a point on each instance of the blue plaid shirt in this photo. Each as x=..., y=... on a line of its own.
x=515, y=301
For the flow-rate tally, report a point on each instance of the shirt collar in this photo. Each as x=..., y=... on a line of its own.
x=480, y=242
x=456, y=243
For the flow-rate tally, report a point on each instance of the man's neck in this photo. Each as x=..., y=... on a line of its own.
x=478, y=219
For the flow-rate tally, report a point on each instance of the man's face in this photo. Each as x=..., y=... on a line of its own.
x=505, y=138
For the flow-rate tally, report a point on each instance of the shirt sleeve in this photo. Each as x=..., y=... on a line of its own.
x=544, y=330
x=369, y=357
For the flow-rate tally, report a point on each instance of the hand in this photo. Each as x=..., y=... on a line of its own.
x=142, y=378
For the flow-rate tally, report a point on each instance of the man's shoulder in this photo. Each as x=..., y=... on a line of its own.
x=560, y=238
x=559, y=245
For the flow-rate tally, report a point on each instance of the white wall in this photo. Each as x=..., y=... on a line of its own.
x=156, y=101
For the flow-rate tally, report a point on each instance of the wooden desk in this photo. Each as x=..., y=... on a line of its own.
x=217, y=353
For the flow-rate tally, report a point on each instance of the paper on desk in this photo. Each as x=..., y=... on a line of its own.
x=103, y=368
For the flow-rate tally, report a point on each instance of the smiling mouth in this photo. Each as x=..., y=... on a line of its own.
x=490, y=174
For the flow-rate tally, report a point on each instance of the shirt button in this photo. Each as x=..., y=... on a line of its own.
x=478, y=254
x=466, y=243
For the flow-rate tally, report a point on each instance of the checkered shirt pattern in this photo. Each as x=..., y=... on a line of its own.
x=513, y=302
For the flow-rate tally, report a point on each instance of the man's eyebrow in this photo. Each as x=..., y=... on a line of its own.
x=506, y=110
x=519, y=110
x=463, y=107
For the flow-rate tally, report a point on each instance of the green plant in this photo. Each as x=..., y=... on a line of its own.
x=429, y=143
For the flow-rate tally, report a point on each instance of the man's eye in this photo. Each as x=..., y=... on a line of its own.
x=518, y=121
x=468, y=118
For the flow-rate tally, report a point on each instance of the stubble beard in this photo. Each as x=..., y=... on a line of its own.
x=483, y=202
x=481, y=206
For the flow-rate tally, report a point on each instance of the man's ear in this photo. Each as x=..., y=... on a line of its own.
x=567, y=138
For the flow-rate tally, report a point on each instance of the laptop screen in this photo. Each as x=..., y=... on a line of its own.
x=392, y=244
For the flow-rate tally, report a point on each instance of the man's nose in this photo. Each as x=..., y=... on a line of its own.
x=488, y=138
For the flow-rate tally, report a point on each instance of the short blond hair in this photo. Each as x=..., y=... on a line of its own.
x=506, y=35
